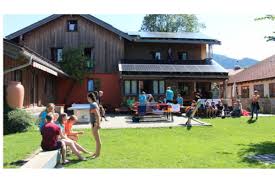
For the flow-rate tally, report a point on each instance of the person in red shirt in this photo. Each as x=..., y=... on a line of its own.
x=50, y=142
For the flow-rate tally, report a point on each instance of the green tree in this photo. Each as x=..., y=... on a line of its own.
x=74, y=63
x=171, y=23
x=268, y=17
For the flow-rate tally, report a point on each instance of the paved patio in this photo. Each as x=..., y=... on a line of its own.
x=125, y=121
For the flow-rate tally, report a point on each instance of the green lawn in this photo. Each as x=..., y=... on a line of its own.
x=224, y=145
x=19, y=146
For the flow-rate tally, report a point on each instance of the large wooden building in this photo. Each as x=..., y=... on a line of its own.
x=121, y=64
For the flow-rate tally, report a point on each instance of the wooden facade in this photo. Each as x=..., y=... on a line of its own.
x=144, y=50
x=39, y=86
x=108, y=47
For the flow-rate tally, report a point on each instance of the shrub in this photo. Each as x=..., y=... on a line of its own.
x=17, y=120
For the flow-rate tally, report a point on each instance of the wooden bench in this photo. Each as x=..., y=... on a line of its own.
x=44, y=159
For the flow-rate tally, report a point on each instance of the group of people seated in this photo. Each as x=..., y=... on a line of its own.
x=56, y=131
x=210, y=109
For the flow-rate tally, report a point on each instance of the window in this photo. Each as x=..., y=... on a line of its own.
x=72, y=26
x=18, y=75
x=89, y=53
x=272, y=90
x=155, y=87
x=158, y=87
x=156, y=55
x=260, y=89
x=245, y=91
x=183, y=56
x=130, y=87
x=93, y=85
x=57, y=54
x=161, y=87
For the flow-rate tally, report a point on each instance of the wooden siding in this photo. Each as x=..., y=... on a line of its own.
x=108, y=46
x=144, y=50
x=43, y=97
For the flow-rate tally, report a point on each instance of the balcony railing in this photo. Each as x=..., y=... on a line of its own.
x=207, y=61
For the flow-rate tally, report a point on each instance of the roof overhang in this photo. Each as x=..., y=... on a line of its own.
x=186, y=41
x=14, y=51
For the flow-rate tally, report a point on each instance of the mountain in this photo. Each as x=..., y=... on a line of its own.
x=229, y=63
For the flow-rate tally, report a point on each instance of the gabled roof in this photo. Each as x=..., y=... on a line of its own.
x=180, y=37
x=54, y=17
x=263, y=70
x=13, y=50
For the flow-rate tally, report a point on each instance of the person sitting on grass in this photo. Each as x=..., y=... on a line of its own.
x=237, y=109
x=208, y=109
x=50, y=133
x=42, y=116
x=189, y=112
x=220, y=108
x=213, y=109
x=68, y=128
x=74, y=146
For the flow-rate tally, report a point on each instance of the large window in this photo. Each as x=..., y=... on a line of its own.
x=93, y=85
x=272, y=90
x=260, y=89
x=245, y=91
x=57, y=54
x=130, y=87
x=158, y=87
x=72, y=25
x=89, y=53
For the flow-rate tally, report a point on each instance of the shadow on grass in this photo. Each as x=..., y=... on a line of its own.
x=250, y=121
x=261, y=148
x=16, y=163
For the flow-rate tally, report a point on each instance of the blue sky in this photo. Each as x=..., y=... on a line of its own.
x=240, y=35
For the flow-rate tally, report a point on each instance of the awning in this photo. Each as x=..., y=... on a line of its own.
x=43, y=68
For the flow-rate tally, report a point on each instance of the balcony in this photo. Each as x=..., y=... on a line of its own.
x=207, y=61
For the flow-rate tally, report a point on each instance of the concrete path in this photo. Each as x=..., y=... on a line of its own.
x=126, y=122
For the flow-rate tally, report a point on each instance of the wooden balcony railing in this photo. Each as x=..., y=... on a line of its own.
x=180, y=62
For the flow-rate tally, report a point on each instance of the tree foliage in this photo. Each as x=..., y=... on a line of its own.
x=268, y=17
x=74, y=63
x=171, y=23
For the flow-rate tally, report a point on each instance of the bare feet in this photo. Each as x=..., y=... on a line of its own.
x=65, y=162
x=95, y=155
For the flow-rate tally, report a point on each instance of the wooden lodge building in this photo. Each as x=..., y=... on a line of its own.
x=121, y=64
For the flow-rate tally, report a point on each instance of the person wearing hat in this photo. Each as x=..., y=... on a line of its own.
x=255, y=104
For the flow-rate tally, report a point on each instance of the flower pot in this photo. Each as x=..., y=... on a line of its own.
x=15, y=94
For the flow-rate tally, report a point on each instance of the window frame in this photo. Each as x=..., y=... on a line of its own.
x=91, y=57
x=96, y=84
x=261, y=93
x=54, y=54
x=69, y=22
x=131, y=87
x=271, y=87
x=242, y=93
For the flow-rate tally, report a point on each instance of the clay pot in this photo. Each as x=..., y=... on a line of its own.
x=15, y=94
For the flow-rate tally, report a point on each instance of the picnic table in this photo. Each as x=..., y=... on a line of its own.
x=154, y=109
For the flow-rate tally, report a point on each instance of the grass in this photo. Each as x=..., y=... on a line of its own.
x=224, y=145
x=19, y=146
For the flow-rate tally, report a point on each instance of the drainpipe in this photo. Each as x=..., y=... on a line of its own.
x=19, y=67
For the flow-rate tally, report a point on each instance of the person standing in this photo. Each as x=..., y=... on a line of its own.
x=101, y=108
x=255, y=104
x=180, y=100
x=95, y=122
x=169, y=95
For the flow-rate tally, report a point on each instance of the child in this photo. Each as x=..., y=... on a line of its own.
x=189, y=112
x=180, y=100
x=95, y=122
x=68, y=128
x=43, y=114
x=75, y=147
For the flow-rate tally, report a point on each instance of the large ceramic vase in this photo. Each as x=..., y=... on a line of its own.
x=15, y=94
